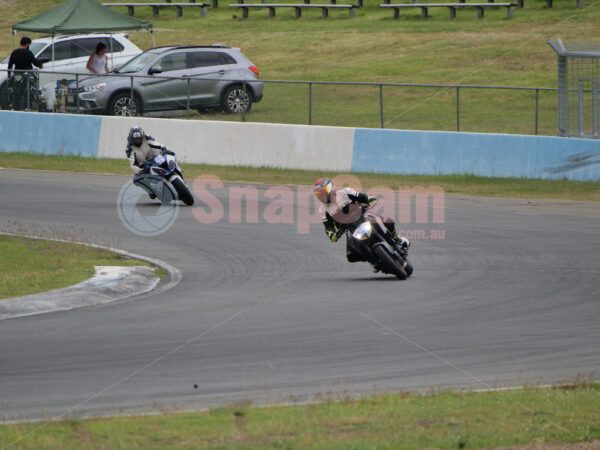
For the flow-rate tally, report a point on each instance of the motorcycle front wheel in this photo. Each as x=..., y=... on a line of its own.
x=183, y=192
x=388, y=263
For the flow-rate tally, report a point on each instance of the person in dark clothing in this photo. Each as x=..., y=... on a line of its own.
x=21, y=59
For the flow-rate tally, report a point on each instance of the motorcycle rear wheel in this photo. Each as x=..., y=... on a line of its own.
x=4, y=98
x=388, y=263
x=408, y=269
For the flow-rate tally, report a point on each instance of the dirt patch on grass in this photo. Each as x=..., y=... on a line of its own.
x=83, y=435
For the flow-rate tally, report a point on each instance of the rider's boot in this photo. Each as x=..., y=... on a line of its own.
x=401, y=242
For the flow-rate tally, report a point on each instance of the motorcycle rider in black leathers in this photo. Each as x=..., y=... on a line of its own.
x=335, y=201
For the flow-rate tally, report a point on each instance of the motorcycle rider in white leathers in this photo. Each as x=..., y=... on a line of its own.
x=142, y=149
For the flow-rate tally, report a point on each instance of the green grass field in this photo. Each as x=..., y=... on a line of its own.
x=451, y=184
x=443, y=420
x=373, y=47
x=35, y=265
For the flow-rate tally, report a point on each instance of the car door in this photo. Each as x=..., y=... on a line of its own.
x=60, y=63
x=161, y=92
x=117, y=56
x=208, y=69
x=81, y=51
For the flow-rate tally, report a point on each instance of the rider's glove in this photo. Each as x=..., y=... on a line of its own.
x=167, y=151
x=372, y=200
x=405, y=243
x=333, y=236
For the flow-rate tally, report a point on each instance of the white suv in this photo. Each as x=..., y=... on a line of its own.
x=71, y=53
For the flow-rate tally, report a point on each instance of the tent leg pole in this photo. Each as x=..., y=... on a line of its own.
x=112, y=54
x=153, y=43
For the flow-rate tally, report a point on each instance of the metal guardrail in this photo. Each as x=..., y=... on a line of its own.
x=76, y=78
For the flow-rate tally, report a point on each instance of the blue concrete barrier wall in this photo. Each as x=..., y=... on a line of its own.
x=489, y=155
x=297, y=146
x=50, y=134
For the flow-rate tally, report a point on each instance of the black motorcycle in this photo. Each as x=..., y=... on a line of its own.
x=368, y=239
x=21, y=92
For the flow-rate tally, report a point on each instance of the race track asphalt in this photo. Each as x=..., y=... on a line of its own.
x=266, y=314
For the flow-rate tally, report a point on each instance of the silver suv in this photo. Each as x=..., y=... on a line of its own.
x=167, y=78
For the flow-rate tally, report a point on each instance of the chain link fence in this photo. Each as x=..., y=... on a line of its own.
x=578, y=78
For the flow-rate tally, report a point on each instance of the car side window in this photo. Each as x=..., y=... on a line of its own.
x=174, y=61
x=226, y=59
x=116, y=46
x=85, y=47
x=204, y=59
x=62, y=50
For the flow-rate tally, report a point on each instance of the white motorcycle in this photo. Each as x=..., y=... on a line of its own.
x=162, y=178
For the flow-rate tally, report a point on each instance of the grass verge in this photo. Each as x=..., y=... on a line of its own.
x=35, y=265
x=446, y=420
x=451, y=184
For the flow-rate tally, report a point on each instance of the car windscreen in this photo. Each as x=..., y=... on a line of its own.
x=137, y=63
x=35, y=47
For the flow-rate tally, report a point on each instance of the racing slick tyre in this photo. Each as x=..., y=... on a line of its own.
x=388, y=263
x=183, y=192
x=408, y=269
x=4, y=102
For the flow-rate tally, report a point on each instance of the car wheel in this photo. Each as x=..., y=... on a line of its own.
x=236, y=100
x=123, y=105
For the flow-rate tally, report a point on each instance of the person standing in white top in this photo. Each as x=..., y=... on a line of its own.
x=98, y=62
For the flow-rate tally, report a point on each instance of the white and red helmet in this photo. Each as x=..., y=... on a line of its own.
x=324, y=188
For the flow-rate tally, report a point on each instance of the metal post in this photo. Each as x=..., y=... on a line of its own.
x=537, y=101
x=77, y=92
x=595, y=107
x=244, y=110
x=131, y=93
x=112, y=53
x=381, y=103
x=580, y=100
x=188, y=99
x=457, y=108
x=310, y=103
x=28, y=75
